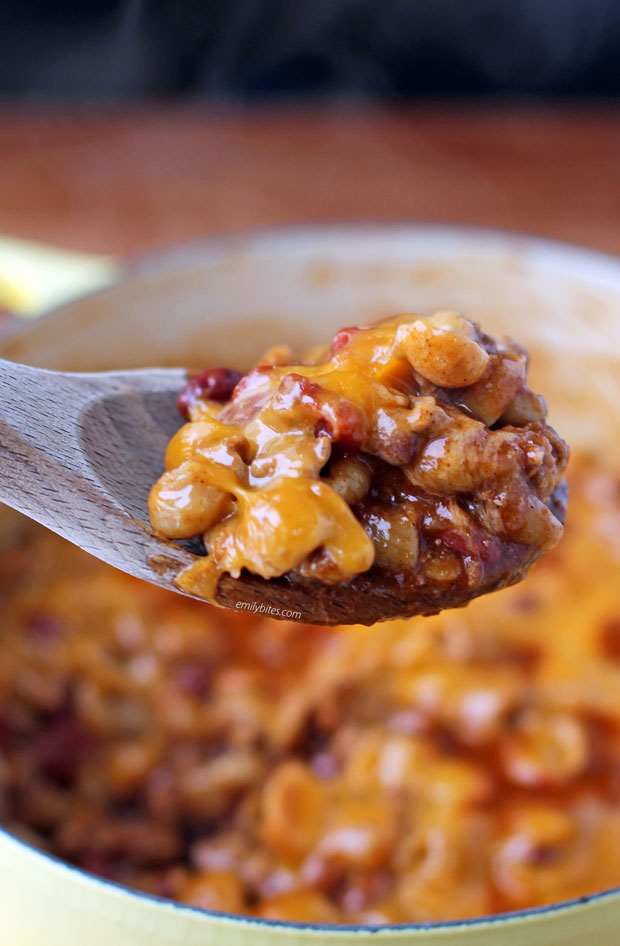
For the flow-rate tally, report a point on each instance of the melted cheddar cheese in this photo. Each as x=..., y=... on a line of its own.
x=253, y=476
x=447, y=767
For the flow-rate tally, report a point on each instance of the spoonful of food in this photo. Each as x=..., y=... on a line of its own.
x=404, y=469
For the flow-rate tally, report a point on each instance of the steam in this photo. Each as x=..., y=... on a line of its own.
x=237, y=48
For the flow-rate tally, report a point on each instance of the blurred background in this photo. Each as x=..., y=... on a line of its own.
x=128, y=125
x=257, y=50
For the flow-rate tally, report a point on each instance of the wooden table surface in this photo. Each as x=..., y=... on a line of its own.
x=128, y=181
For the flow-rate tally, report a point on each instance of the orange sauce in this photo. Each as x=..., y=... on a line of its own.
x=444, y=768
x=249, y=476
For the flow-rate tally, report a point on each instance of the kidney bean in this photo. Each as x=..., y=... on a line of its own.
x=61, y=749
x=213, y=384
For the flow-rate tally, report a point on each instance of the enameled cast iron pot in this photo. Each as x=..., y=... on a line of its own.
x=225, y=301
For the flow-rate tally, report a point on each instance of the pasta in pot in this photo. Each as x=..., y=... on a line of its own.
x=445, y=768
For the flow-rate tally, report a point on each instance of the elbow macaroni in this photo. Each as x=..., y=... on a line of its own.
x=445, y=768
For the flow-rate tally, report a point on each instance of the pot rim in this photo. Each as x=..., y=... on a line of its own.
x=238, y=919
x=209, y=248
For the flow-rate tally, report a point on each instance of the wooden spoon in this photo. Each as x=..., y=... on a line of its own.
x=80, y=452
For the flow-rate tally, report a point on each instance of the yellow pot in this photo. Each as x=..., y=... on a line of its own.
x=225, y=301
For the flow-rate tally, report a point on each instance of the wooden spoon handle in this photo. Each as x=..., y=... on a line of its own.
x=37, y=419
x=78, y=454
